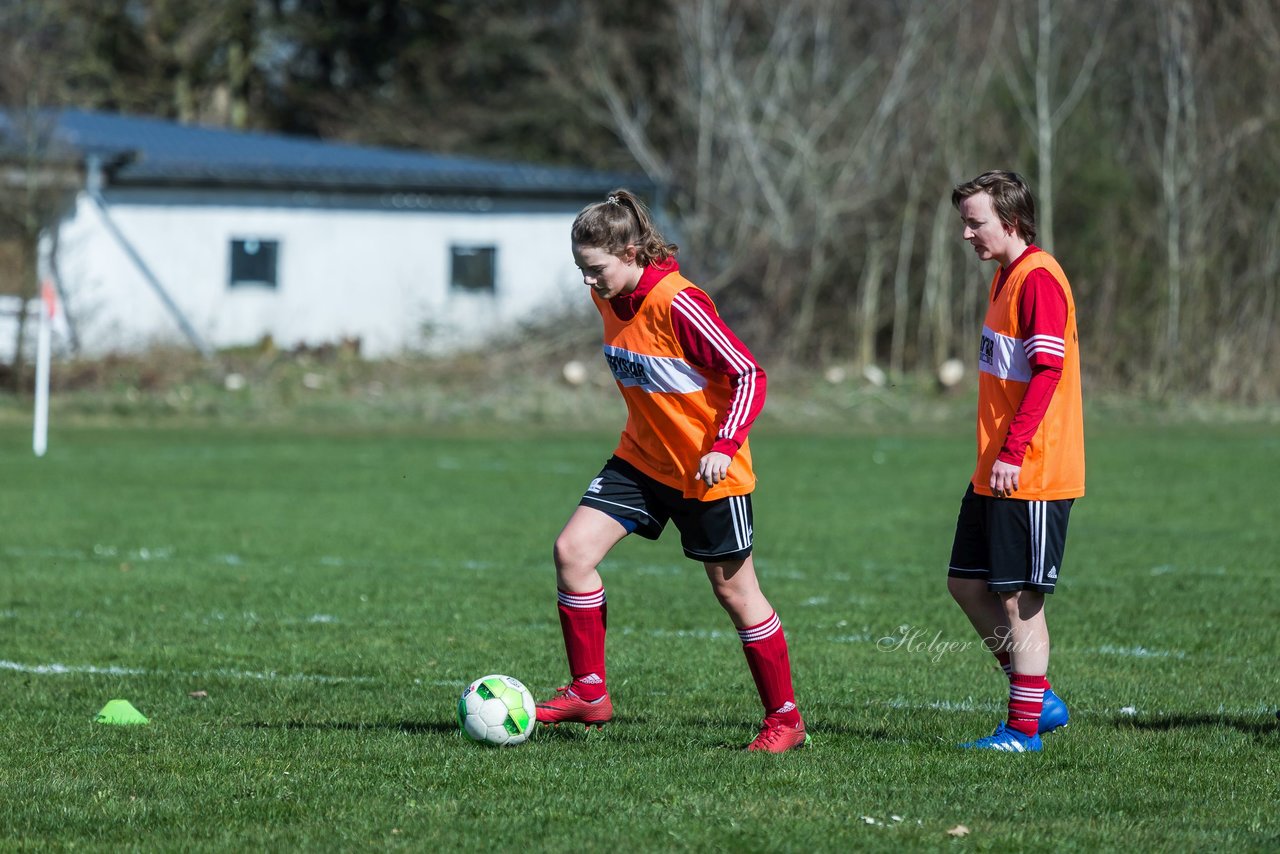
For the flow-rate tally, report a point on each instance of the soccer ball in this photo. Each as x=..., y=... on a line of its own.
x=496, y=710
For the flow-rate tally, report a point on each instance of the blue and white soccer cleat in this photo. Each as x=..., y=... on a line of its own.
x=1008, y=740
x=1053, y=714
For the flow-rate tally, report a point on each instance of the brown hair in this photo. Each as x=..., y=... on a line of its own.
x=1010, y=196
x=622, y=220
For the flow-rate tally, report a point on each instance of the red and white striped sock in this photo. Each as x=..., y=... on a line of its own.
x=582, y=621
x=1006, y=664
x=765, y=647
x=1026, y=699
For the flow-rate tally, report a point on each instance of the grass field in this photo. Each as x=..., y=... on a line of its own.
x=331, y=593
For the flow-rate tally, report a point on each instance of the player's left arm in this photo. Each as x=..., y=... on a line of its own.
x=711, y=346
x=1042, y=312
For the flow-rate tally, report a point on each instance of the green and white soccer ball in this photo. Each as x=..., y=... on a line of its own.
x=497, y=710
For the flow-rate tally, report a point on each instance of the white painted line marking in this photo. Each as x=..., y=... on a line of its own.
x=94, y=670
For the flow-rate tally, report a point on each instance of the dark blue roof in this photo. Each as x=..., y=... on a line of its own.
x=139, y=151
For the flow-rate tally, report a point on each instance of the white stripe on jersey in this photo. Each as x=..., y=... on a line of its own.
x=595, y=499
x=1047, y=344
x=669, y=374
x=744, y=395
x=762, y=631
x=1003, y=356
x=740, y=407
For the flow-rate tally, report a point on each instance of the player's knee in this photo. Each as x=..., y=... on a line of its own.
x=735, y=604
x=565, y=552
x=736, y=599
x=728, y=598
x=573, y=555
x=1022, y=605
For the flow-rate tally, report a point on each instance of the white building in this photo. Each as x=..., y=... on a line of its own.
x=216, y=239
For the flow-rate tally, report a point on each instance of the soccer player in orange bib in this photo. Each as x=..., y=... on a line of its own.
x=692, y=391
x=1012, y=528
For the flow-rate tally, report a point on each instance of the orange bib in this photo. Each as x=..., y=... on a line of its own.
x=673, y=409
x=1053, y=467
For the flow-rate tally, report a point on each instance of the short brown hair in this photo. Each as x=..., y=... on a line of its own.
x=1010, y=196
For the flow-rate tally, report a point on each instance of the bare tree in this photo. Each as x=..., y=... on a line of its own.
x=794, y=116
x=957, y=132
x=901, y=278
x=1233, y=292
x=1045, y=54
x=805, y=150
x=1203, y=105
x=1177, y=157
x=37, y=175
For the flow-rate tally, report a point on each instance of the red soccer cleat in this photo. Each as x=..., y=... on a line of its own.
x=567, y=707
x=779, y=738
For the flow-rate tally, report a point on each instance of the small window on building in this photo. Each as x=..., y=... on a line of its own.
x=474, y=269
x=253, y=262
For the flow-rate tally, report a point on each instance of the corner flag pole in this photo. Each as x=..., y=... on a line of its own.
x=48, y=308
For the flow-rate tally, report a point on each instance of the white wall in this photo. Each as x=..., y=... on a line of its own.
x=378, y=275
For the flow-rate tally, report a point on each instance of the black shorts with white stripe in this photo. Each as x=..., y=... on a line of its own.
x=1010, y=543
x=709, y=530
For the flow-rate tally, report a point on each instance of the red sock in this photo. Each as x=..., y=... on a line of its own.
x=765, y=646
x=1006, y=664
x=1026, y=698
x=582, y=621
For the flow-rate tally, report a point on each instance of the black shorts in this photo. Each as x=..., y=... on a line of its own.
x=709, y=530
x=1010, y=543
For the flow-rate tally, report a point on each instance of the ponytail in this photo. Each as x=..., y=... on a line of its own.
x=622, y=220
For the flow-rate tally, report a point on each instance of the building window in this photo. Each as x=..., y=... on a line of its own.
x=474, y=269
x=253, y=262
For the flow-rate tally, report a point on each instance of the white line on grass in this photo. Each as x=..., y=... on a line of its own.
x=64, y=669
x=94, y=670
x=965, y=706
x=1138, y=652
x=971, y=705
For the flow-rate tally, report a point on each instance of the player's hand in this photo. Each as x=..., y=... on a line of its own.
x=713, y=468
x=1004, y=479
